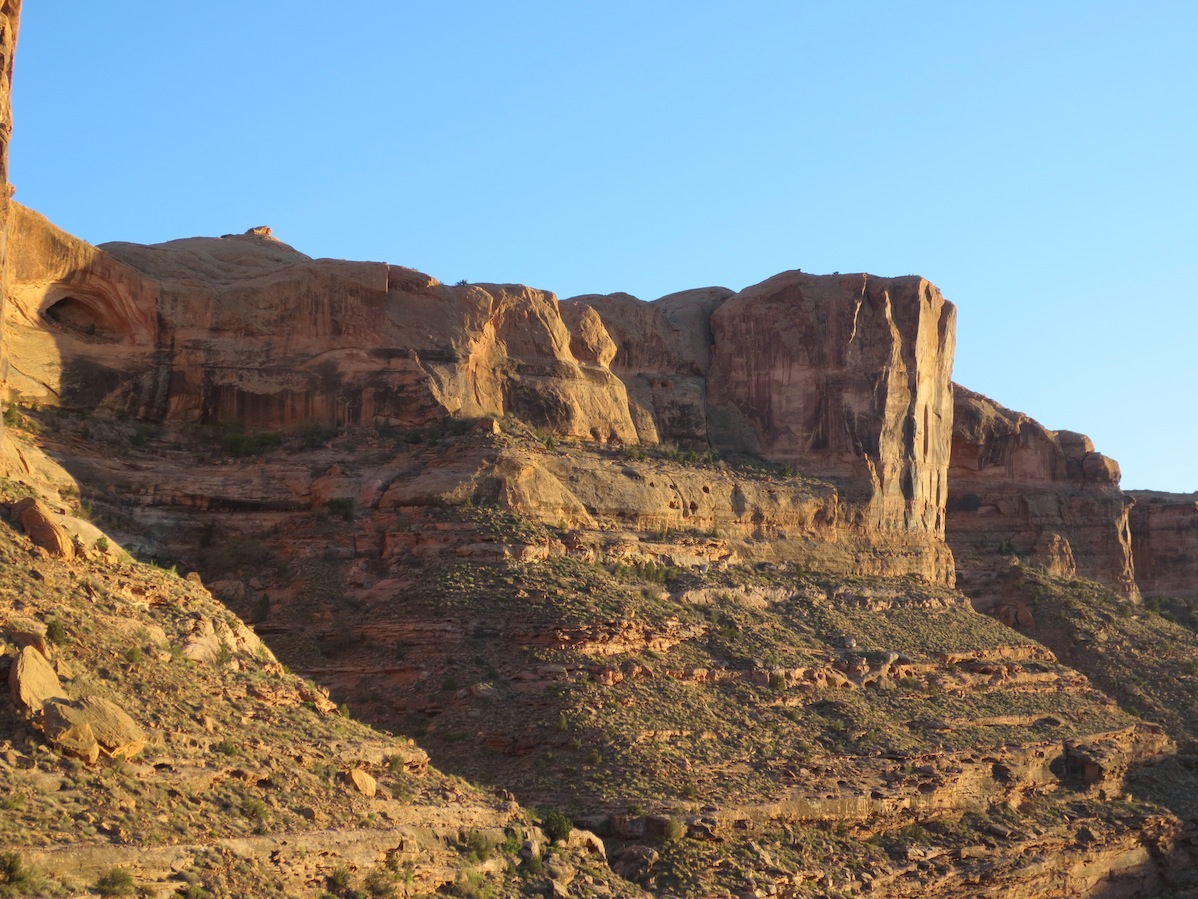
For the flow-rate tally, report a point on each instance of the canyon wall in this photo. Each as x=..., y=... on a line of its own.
x=1164, y=531
x=842, y=378
x=1021, y=491
x=10, y=18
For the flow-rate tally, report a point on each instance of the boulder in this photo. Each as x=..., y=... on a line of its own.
x=115, y=732
x=635, y=862
x=43, y=528
x=363, y=782
x=32, y=681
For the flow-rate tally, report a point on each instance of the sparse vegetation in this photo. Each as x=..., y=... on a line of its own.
x=557, y=827
x=117, y=882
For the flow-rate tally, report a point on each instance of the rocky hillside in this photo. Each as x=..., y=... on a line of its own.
x=153, y=741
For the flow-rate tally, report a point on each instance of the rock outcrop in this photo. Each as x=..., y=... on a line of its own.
x=1164, y=533
x=36, y=519
x=847, y=376
x=662, y=353
x=1019, y=490
x=10, y=19
x=246, y=329
x=843, y=377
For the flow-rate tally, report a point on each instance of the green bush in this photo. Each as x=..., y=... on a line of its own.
x=675, y=831
x=338, y=881
x=478, y=846
x=55, y=632
x=15, y=878
x=380, y=885
x=117, y=882
x=557, y=827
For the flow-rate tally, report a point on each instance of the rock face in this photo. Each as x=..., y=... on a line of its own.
x=246, y=329
x=662, y=353
x=1021, y=490
x=848, y=376
x=842, y=376
x=10, y=18
x=1164, y=531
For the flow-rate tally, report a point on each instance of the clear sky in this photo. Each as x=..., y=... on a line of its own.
x=1036, y=159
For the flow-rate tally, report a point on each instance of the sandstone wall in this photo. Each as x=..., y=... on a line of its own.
x=847, y=376
x=244, y=328
x=842, y=376
x=10, y=18
x=1164, y=532
x=662, y=353
x=1021, y=490
x=82, y=327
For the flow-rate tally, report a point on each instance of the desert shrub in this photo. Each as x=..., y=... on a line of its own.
x=474, y=886
x=342, y=507
x=252, y=807
x=478, y=846
x=15, y=878
x=338, y=880
x=55, y=632
x=380, y=885
x=236, y=442
x=675, y=831
x=117, y=882
x=557, y=826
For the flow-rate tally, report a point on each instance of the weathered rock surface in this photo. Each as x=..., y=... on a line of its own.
x=662, y=353
x=1021, y=490
x=114, y=731
x=10, y=19
x=244, y=328
x=1164, y=533
x=847, y=376
x=43, y=528
x=32, y=681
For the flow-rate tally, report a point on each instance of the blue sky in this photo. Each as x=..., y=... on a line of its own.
x=1036, y=160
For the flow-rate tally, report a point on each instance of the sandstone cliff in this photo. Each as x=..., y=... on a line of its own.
x=1164, y=531
x=10, y=17
x=838, y=377
x=1019, y=490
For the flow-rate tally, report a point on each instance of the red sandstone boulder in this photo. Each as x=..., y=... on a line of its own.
x=43, y=528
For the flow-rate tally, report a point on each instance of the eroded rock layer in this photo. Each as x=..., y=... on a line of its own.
x=842, y=377
x=1164, y=529
x=1023, y=492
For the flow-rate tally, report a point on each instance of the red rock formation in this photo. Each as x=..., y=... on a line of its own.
x=81, y=327
x=847, y=376
x=10, y=19
x=1164, y=533
x=1021, y=490
x=244, y=328
x=662, y=354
